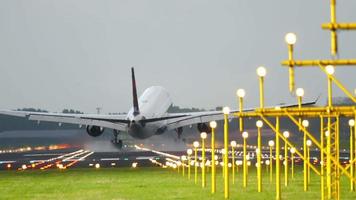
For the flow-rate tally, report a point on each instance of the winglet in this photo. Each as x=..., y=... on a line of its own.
x=134, y=93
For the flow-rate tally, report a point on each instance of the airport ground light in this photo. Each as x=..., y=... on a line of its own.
x=271, y=145
x=291, y=39
x=213, y=126
x=233, y=145
x=300, y=93
x=226, y=112
x=278, y=160
x=352, y=152
x=286, y=136
x=259, y=125
x=292, y=152
x=195, y=145
x=261, y=72
x=305, y=124
x=203, y=136
x=240, y=95
x=309, y=143
x=244, y=136
x=189, y=153
x=183, y=158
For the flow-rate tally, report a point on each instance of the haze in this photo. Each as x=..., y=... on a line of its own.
x=77, y=54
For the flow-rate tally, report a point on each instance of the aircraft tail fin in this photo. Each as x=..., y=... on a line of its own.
x=134, y=93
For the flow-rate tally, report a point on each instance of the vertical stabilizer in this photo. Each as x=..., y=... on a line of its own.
x=134, y=94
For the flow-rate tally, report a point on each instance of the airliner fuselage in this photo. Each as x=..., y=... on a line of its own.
x=153, y=103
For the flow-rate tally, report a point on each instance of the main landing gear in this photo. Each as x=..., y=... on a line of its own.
x=116, y=141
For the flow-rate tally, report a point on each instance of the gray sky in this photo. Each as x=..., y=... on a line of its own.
x=78, y=53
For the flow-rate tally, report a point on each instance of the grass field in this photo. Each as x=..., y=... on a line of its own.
x=143, y=183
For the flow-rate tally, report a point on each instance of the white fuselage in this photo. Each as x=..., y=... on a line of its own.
x=153, y=103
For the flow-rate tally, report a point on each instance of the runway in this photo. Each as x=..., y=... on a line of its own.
x=74, y=158
x=45, y=158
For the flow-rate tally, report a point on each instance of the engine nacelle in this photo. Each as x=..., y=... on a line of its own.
x=202, y=127
x=95, y=131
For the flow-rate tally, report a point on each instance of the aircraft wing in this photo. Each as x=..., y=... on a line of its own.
x=117, y=122
x=204, y=117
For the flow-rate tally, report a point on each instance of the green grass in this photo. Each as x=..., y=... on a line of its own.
x=144, y=183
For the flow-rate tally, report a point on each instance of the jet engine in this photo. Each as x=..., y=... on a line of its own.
x=202, y=127
x=95, y=131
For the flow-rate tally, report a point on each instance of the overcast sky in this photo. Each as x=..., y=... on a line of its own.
x=78, y=53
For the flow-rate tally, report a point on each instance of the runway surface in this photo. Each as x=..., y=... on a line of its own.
x=65, y=157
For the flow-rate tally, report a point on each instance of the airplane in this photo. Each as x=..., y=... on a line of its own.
x=147, y=117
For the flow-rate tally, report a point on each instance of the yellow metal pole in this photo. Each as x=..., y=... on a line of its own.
x=226, y=158
x=305, y=172
x=333, y=31
x=285, y=164
x=328, y=142
x=183, y=168
x=328, y=159
x=308, y=150
x=244, y=165
x=354, y=143
x=339, y=84
x=354, y=139
x=292, y=162
x=203, y=184
x=351, y=157
x=299, y=107
x=189, y=166
x=310, y=63
x=270, y=164
x=222, y=167
x=329, y=91
x=261, y=92
x=213, y=166
x=322, y=161
x=259, y=167
x=291, y=68
x=195, y=165
x=278, y=182
x=241, y=124
x=233, y=164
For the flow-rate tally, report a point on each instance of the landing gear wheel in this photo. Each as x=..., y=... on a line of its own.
x=119, y=144
x=116, y=141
